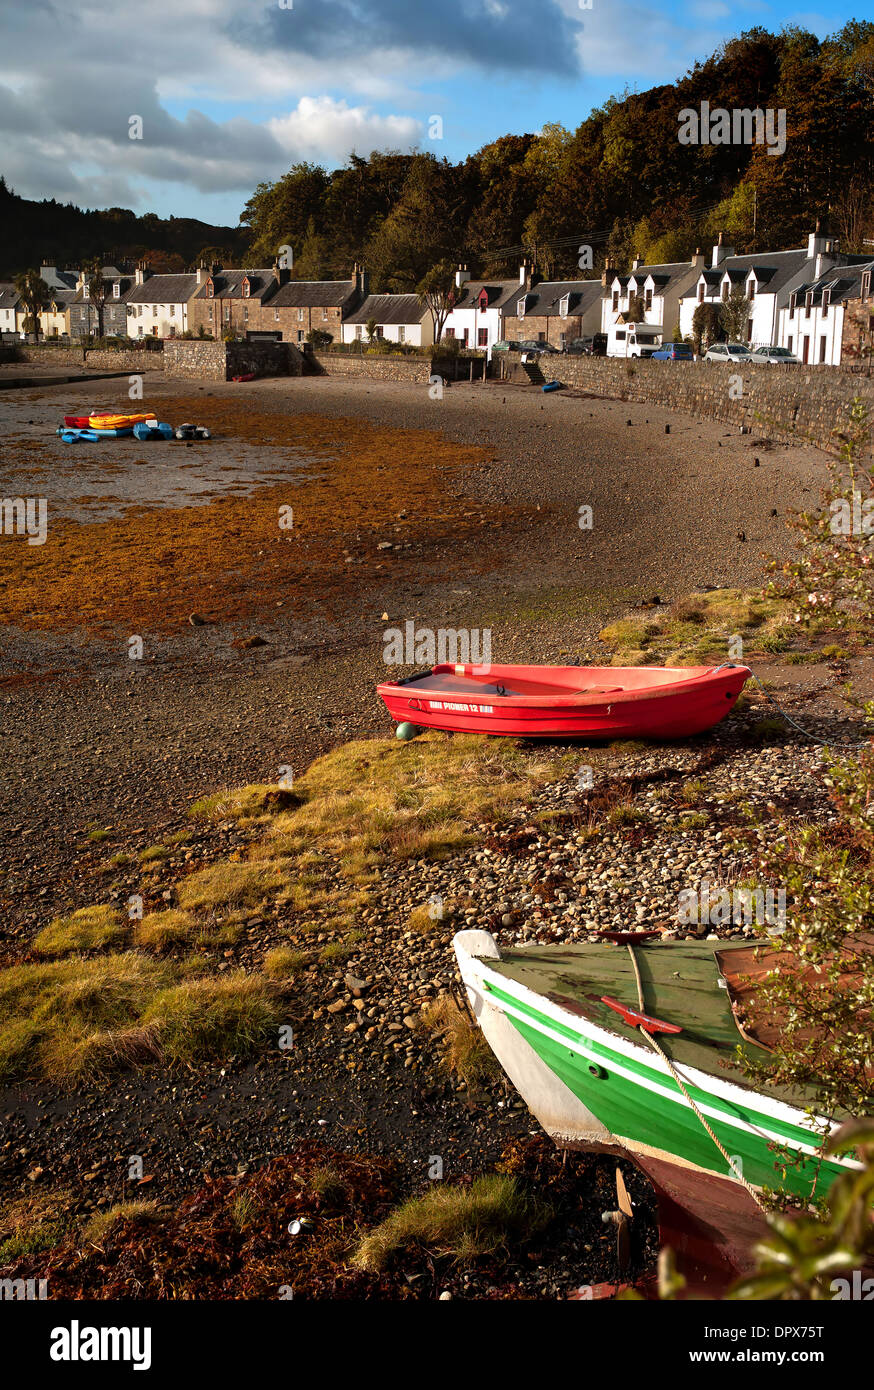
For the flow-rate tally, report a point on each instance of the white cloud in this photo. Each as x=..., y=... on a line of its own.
x=320, y=128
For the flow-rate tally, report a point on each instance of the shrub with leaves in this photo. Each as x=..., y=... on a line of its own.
x=826, y=1004
x=833, y=574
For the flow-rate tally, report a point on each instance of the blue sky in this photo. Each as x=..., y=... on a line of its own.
x=243, y=89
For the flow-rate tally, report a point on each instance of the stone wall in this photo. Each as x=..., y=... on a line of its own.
x=100, y=359
x=787, y=404
x=383, y=367
x=195, y=359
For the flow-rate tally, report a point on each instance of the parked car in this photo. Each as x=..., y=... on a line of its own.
x=595, y=345
x=507, y=345
x=728, y=352
x=673, y=352
x=774, y=356
x=535, y=345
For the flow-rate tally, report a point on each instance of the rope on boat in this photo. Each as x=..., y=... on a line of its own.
x=735, y=1169
x=816, y=738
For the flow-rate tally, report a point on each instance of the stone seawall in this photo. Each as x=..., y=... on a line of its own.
x=199, y=360
x=382, y=367
x=99, y=359
x=786, y=404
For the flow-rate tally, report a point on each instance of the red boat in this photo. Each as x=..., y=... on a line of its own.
x=586, y=702
x=77, y=422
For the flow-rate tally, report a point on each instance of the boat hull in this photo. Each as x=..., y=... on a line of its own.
x=592, y=1089
x=686, y=703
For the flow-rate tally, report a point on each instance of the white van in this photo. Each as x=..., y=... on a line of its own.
x=633, y=339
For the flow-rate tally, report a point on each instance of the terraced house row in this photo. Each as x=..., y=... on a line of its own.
x=813, y=300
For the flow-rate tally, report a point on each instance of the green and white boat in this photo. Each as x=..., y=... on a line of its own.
x=637, y=1050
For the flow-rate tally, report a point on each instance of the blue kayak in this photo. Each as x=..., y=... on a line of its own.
x=156, y=431
x=81, y=436
x=127, y=431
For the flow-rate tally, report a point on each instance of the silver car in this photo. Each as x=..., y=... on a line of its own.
x=774, y=356
x=728, y=352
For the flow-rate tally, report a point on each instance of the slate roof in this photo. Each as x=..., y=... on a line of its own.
x=9, y=296
x=390, y=308
x=499, y=292
x=670, y=274
x=545, y=298
x=162, y=289
x=843, y=282
x=315, y=294
x=229, y=284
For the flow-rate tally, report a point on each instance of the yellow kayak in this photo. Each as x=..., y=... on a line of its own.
x=118, y=422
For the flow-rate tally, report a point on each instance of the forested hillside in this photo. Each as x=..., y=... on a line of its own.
x=61, y=234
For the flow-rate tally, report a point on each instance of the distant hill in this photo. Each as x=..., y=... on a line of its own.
x=61, y=234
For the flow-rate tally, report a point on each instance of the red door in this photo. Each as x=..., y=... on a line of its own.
x=805, y=351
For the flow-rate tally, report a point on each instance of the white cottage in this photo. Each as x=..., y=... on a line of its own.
x=477, y=319
x=399, y=318
x=157, y=305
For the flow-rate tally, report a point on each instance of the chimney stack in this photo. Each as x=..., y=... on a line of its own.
x=462, y=275
x=281, y=273
x=607, y=274
x=141, y=273
x=697, y=261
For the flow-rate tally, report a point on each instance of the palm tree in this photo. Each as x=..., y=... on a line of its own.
x=98, y=291
x=35, y=295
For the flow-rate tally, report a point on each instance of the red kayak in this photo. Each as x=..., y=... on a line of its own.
x=245, y=376
x=586, y=702
x=77, y=422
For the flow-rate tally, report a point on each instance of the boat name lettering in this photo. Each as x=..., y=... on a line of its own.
x=463, y=709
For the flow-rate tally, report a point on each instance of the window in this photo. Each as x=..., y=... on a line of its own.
x=85, y=291
x=275, y=315
x=154, y=311
x=402, y=334
x=246, y=314
x=541, y=337
x=520, y=307
x=359, y=330
x=615, y=299
x=620, y=337
x=380, y=332
x=751, y=289
x=139, y=330
x=116, y=290
x=866, y=283
x=482, y=337
x=210, y=313
x=701, y=294
x=210, y=290
x=725, y=289
x=449, y=332
x=325, y=315
x=564, y=305
x=300, y=335
x=822, y=348
x=789, y=344
x=246, y=288
x=647, y=300
x=808, y=300
x=793, y=299
x=300, y=315
x=172, y=311
x=227, y=313
x=826, y=301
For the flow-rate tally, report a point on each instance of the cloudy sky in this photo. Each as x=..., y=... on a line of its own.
x=231, y=92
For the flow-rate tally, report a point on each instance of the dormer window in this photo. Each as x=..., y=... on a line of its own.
x=116, y=289
x=520, y=307
x=726, y=288
x=210, y=289
x=647, y=299
x=751, y=289
x=564, y=305
x=246, y=287
x=85, y=291
x=483, y=301
x=616, y=299
x=826, y=300
x=808, y=301
x=793, y=300
x=701, y=289
x=866, y=283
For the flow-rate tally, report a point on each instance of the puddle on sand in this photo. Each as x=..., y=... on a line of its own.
x=86, y=486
